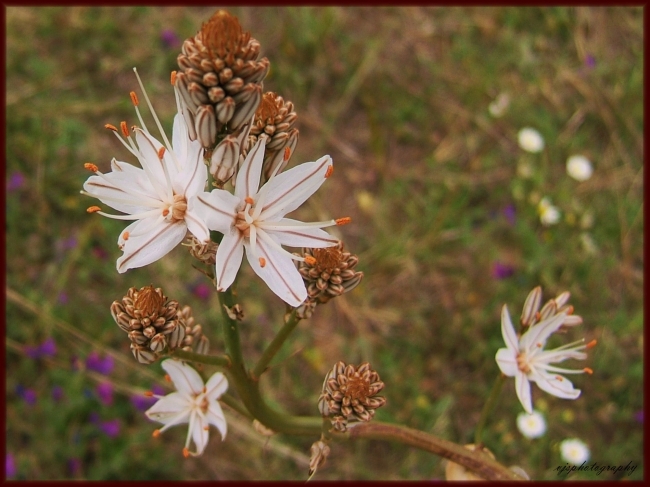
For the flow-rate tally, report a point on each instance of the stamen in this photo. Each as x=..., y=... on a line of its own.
x=161, y=153
x=205, y=389
x=539, y=345
x=186, y=452
x=134, y=98
x=569, y=310
x=262, y=262
x=125, y=130
x=91, y=167
x=287, y=154
x=559, y=377
x=588, y=370
x=206, y=428
x=173, y=78
x=125, y=235
x=249, y=200
x=110, y=127
x=591, y=344
x=168, y=378
x=148, y=393
x=156, y=433
x=343, y=221
x=93, y=209
x=310, y=260
x=329, y=172
x=165, y=212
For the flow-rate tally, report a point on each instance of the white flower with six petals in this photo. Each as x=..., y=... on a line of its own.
x=253, y=219
x=193, y=403
x=525, y=359
x=155, y=196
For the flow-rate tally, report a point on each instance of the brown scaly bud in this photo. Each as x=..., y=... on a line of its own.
x=318, y=454
x=350, y=394
x=532, y=313
x=220, y=78
x=275, y=118
x=206, y=252
x=193, y=337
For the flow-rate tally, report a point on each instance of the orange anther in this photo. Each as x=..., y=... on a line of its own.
x=168, y=378
x=125, y=235
x=537, y=316
x=569, y=310
x=329, y=171
x=93, y=209
x=110, y=127
x=148, y=393
x=588, y=370
x=249, y=200
x=287, y=154
x=91, y=167
x=591, y=344
x=205, y=389
x=161, y=153
x=134, y=98
x=125, y=130
x=559, y=377
x=173, y=78
x=165, y=212
x=206, y=428
x=343, y=221
x=538, y=345
x=186, y=452
x=262, y=262
x=156, y=433
x=310, y=260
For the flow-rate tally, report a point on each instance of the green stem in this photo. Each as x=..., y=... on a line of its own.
x=218, y=360
x=275, y=345
x=487, y=408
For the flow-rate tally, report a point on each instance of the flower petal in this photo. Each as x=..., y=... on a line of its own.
x=507, y=362
x=290, y=189
x=301, y=235
x=217, y=209
x=250, y=172
x=146, y=248
x=522, y=386
x=557, y=385
x=229, y=256
x=508, y=331
x=129, y=193
x=216, y=418
x=537, y=335
x=169, y=409
x=149, y=160
x=197, y=226
x=186, y=380
x=200, y=433
x=279, y=272
x=216, y=386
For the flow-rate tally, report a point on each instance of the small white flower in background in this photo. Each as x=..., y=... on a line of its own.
x=499, y=105
x=588, y=243
x=525, y=359
x=155, y=196
x=548, y=213
x=530, y=140
x=193, y=403
x=253, y=219
x=579, y=168
x=531, y=425
x=574, y=451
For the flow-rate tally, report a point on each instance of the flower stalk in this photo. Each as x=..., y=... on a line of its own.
x=275, y=345
x=488, y=407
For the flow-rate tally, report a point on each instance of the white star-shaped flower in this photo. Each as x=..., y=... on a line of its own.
x=531, y=425
x=574, y=451
x=548, y=213
x=526, y=360
x=530, y=140
x=254, y=220
x=156, y=195
x=579, y=168
x=193, y=403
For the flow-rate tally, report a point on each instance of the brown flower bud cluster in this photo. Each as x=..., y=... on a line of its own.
x=156, y=325
x=532, y=313
x=350, y=394
x=319, y=452
x=220, y=78
x=206, y=252
x=274, y=118
x=328, y=272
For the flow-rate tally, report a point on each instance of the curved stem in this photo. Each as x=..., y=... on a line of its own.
x=275, y=345
x=476, y=461
x=218, y=360
x=487, y=408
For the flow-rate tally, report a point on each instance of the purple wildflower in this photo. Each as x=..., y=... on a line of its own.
x=57, y=393
x=590, y=61
x=62, y=298
x=100, y=253
x=638, y=416
x=105, y=393
x=510, y=213
x=29, y=396
x=170, y=39
x=74, y=467
x=10, y=466
x=16, y=181
x=142, y=402
x=202, y=291
x=502, y=271
x=110, y=428
x=102, y=365
x=45, y=349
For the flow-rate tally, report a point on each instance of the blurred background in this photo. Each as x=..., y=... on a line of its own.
x=420, y=109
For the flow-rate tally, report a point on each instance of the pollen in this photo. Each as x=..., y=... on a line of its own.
x=287, y=154
x=134, y=98
x=148, y=393
x=249, y=200
x=262, y=262
x=168, y=378
x=329, y=171
x=93, y=209
x=161, y=152
x=186, y=452
x=343, y=221
x=569, y=310
x=110, y=127
x=165, y=212
x=156, y=433
x=124, y=128
x=310, y=260
x=559, y=377
x=591, y=344
x=125, y=235
x=91, y=167
x=206, y=428
x=173, y=78
x=588, y=370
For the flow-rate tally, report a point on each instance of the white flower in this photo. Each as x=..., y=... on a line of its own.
x=574, y=451
x=526, y=360
x=156, y=195
x=499, y=105
x=531, y=425
x=548, y=213
x=579, y=168
x=193, y=403
x=254, y=220
x=530, y=140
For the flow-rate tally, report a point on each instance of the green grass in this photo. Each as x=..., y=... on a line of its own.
x=399, y=97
